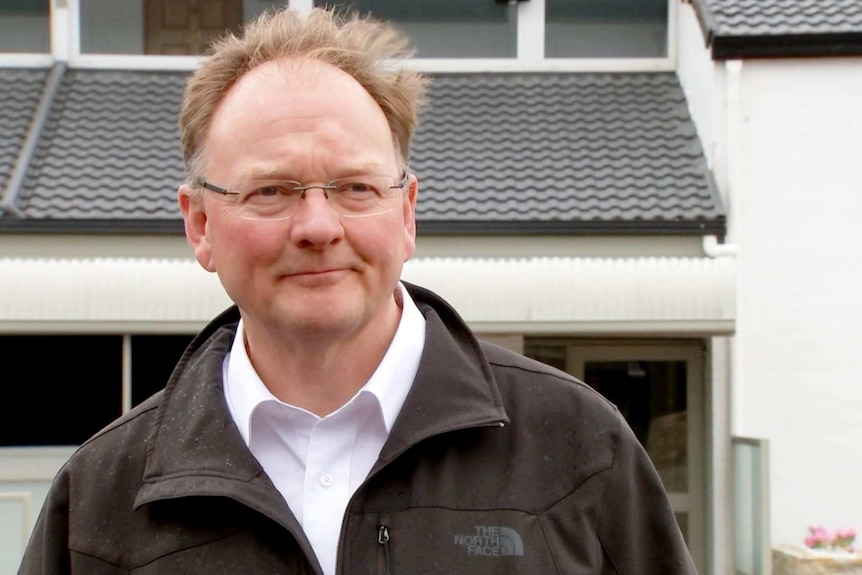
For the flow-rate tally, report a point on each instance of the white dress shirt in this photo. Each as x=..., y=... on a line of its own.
x=317, y=463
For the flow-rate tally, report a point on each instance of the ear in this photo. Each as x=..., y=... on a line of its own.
x=195, y=217
x=409, y=215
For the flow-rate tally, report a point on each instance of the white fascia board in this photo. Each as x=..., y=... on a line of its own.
x=490, y=65
x=26, y=60
x=565, y=295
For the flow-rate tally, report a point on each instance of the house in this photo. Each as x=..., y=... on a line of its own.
x=654, y=195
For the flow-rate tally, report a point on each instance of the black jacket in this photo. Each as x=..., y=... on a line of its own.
x=496, y=465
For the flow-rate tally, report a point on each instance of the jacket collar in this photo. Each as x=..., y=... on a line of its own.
x=454, y=387
x=196, y=449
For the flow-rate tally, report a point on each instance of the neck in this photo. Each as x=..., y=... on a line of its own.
x=319, y=373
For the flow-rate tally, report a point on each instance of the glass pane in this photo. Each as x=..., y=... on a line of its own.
x=153, y=360
x=552, y=354
x=174, y=27
x=447, y=28
x=751, y=514
x=606, y=28
x=68, y=395
x=24, y=26
x=651, y=395
x=682, y=521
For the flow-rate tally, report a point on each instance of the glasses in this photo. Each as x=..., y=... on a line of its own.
x=353, y=197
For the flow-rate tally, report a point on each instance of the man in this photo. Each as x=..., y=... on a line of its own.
x=337, y=420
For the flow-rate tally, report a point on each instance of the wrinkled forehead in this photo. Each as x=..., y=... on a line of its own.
x=300, y=109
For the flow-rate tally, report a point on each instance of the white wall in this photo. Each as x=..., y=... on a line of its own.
x=697, y=76
x=799, y=322
x=786, y=148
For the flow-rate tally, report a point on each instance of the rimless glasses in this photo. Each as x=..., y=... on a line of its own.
x=352, y=197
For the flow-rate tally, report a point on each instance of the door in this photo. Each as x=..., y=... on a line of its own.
x=178, y=27
x=25, y=476
x=658, y=387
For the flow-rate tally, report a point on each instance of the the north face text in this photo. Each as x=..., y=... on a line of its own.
x=491, y=541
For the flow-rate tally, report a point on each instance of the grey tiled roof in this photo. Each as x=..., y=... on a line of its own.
x=775, y=28
x=20, y=90
x=559, y=149
x=109, y=149
x=495, y=153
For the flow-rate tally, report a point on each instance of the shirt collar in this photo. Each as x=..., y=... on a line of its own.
x=391, y=381
x=389, y=384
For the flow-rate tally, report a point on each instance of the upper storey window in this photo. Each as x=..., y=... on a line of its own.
x=24, y=26
x=160, y=27
x=448, y=28
x=606, y=28
x=446, y=34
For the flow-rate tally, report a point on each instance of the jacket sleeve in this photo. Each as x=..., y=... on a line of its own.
x=47, y=552
x=637, y=528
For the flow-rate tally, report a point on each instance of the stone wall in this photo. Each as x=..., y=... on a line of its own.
x=792, y=560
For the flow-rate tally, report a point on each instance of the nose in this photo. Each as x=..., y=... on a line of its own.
x=315, y=223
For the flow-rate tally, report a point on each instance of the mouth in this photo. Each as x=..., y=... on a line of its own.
x=316, y=272
x=317, y=276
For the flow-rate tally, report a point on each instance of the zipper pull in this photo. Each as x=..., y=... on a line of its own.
x=383, y=539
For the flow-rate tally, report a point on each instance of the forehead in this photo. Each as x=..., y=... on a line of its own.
x=298, y=91
x=292, y=109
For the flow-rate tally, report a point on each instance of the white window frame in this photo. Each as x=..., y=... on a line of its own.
x=65, y=46
x=692, y=502
x=692, y=352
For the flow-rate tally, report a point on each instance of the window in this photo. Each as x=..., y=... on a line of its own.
x=606, y=28
x=659, y=388
x=66, y=388
x=448, y=28
x=167, y=27
x=61, y=389
x=24, y=26
x=153, y=361
x=538, y=33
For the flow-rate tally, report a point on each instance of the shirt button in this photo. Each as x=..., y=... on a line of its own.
x=326, y=480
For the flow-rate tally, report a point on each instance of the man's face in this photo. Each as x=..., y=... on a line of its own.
x=316, y=274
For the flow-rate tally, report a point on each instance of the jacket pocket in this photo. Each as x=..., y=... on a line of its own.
x=431, y=541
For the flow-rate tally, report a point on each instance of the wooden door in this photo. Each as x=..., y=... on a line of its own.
x=178, y=27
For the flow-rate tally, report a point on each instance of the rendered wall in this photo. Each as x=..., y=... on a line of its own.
x=799, y=326
x=784, y=137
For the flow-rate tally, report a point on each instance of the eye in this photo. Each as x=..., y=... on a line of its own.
x=267, y=191
x=358, y=187
x=263, y=192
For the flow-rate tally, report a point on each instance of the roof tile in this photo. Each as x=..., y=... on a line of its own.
x=560, y=147
x=109, y=149
x=774, y=17
x=504, y=151
x=20, y=91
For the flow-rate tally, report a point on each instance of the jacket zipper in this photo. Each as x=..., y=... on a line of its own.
x=384, y=559
x=383, y=565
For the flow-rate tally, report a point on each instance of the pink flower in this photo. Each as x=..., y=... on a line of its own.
x=820, y=538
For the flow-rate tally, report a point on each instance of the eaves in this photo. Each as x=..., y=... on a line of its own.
x=786, y=46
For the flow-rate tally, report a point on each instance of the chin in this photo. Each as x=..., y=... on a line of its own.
x=318, y=318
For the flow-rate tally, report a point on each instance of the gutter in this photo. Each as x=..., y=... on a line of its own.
x=787, y=45
x=714, y=249
x=28, y=149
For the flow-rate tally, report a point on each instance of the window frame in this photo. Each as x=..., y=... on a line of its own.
x=692, y=352
x=66, y=34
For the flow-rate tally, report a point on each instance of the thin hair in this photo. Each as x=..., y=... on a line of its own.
x=360, y=46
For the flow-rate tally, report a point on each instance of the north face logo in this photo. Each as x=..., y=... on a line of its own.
x=492, y=541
